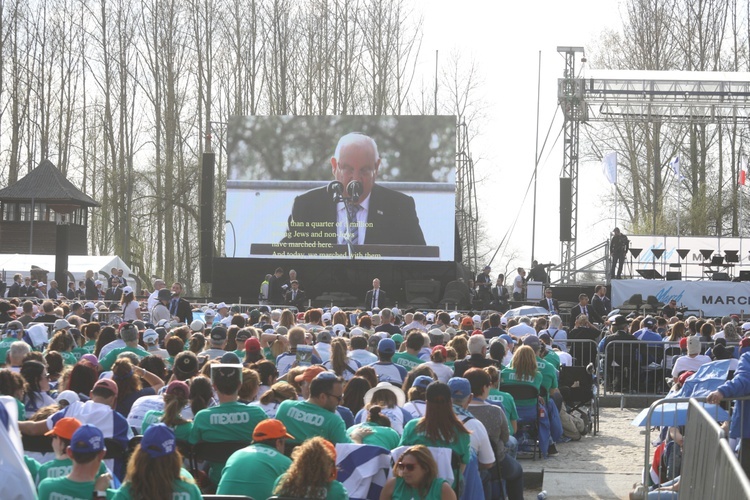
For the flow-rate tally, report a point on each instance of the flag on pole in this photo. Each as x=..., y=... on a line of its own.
x=609, y=167
x=743, y=171
x=675, y=164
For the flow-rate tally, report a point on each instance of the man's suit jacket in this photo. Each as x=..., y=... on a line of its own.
x=382, y=299
x=299, y=300
x=184, y=311
x=576, y=311
x=602, y=306
x=14, y=290
x=392, y=218
x=543, y=303
x=111, y=294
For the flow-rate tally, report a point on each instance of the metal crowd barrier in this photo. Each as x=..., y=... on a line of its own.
x=709, y=468
x=640, y=367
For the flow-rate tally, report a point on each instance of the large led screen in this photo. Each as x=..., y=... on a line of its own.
x=341, y=187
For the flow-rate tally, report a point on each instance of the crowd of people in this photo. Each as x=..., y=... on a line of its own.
x=290, y=386
x=431, y=391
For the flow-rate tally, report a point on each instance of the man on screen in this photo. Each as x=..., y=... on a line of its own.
x=383, y=216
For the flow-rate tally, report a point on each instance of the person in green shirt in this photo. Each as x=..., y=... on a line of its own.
x=312, y=473
x=523, y=371
x=130, y=337
x=155, y=470
x=176, y=397
x=552, y=396
x=382, y=435
x=316, y=416
x=256, y=468
x=14, y=333
x=230, y=420
x=439, y=427
x=61, y=465
x=509, y=404
x=87, y=451
x=415, y=475
x=410, y=358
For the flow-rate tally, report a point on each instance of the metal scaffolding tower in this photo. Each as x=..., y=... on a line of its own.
x=466, y=199
x=644, y=96
x=570, y=98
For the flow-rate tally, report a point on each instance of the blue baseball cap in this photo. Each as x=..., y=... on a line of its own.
x=507, y=338
x=87, y=439
x=386, y=346
x=422, y=381
x=460, y=387
x=158, y=441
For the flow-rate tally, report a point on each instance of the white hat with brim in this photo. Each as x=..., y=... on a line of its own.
x=400, y=396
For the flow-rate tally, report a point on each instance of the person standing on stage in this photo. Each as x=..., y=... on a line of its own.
x=618, y=247
x=519, y=285
x=600, y=302
x=375, y=298
x=484, y=283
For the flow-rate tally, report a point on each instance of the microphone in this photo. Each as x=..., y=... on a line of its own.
x=336, y=190
x=354, y=190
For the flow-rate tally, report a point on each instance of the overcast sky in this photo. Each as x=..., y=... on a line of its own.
x=505, y=38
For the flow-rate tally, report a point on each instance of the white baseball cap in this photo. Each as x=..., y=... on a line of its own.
x=127, y=290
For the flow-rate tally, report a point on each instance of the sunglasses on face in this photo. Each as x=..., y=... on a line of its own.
x=407, y=467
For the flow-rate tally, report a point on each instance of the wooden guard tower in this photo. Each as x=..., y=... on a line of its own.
x=32, y=209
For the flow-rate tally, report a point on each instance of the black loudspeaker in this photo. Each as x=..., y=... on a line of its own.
x=674, y=275
x=566, y=208
x=207, y=217
x=744, y=275
x=62, y=242
x=720, y=277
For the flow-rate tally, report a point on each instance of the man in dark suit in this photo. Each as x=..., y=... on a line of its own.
x=380, y=216
x=276, y=287
x=180, y=307
x=483, y=284
x=583, y=307
x=600, y=302
x=296, y=297
x=549, y=303
x=15, y=289
x=114, y=292
x=500, y=295
x=375, y=297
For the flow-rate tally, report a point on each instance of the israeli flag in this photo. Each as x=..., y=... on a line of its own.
x=609, y=167
x=675, y=164
x=363, y=469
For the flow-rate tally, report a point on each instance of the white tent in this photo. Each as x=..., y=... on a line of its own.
x=11, y=264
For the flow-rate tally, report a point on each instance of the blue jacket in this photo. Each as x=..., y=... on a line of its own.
x=737, y=387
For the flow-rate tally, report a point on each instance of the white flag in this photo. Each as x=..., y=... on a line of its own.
x=609, y=167
x=675, y=164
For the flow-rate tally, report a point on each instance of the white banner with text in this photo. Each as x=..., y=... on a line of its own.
x=714, y=298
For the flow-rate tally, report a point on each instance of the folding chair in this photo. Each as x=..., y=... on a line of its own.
x=38, y=444
x=577, y=389
x=115, y=450
x=216, y=452
x=531, y=426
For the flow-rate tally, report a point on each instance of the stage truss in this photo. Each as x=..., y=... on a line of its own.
x=647, y=97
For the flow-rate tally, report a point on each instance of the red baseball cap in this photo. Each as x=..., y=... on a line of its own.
x=106, y=383
x=252, y=345
x=442, y=350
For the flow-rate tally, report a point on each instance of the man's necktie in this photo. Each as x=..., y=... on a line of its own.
x=294, y=296
x=551, y=309
x=352, y=210
x=375, y=299
x=584, y=311
x=173, y=307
